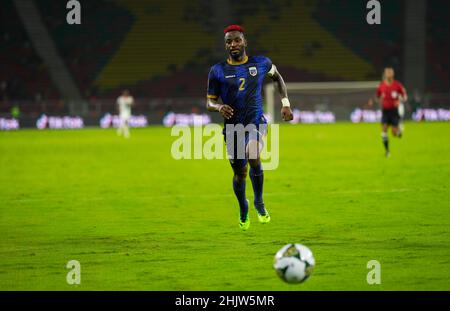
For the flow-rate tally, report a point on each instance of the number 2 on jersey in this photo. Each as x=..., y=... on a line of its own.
x=242, y=85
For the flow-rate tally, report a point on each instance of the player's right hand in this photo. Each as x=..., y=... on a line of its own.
x=226, y=111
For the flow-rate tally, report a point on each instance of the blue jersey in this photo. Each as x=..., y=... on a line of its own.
x=240, y=86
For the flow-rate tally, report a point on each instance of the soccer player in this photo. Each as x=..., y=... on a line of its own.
x=391, y=93
x=238, y=83
x=124, y=103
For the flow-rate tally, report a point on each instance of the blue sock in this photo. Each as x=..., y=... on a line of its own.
x=257, y=178
x=239, y=191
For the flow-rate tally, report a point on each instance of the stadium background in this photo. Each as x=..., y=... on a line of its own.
x=162, y=51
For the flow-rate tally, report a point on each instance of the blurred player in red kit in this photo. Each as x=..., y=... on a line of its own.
x=391, y=93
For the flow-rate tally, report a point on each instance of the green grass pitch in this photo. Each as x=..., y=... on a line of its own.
x=136, y=219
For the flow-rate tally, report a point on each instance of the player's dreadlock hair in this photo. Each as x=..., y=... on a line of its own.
x=234, y=28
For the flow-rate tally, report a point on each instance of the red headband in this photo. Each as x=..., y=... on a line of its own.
x=233, y=28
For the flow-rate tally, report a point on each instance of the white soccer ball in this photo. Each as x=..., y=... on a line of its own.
x=294, y=263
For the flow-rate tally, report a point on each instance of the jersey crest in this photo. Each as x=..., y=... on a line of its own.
x=253, y=71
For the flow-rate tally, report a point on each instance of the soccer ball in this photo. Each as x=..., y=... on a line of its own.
x=294, y=263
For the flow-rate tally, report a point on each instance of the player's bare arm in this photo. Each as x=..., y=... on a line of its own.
x=375, y=100
x=212, y=104
x=404, y=97
x=286, y=111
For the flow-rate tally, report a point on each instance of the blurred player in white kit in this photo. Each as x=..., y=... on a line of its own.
x=124, y=103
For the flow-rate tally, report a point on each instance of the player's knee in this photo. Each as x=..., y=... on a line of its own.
x=254, y=162
x=240, y=174
x=240, y=178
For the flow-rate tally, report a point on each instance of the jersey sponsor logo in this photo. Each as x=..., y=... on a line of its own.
x=253, y=71
x=394, y=94
x=232, y=76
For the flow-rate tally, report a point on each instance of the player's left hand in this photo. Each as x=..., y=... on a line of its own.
x=286, y=114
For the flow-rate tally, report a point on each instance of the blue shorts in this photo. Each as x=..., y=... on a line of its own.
x=237, y=141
